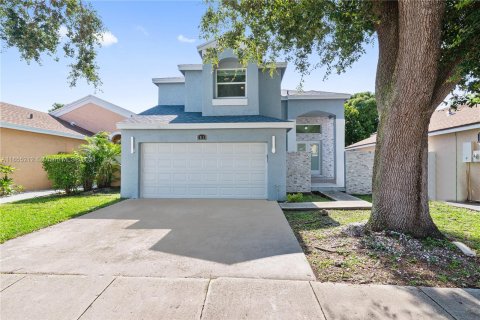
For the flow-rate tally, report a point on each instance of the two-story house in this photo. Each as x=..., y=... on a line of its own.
x=232, y=132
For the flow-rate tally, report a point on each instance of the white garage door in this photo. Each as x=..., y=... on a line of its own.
x=204, y=170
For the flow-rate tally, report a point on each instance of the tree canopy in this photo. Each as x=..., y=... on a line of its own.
x=37, y=27
x=56, y=106
x=361, y=117
x=427, y=50
x=335, y=32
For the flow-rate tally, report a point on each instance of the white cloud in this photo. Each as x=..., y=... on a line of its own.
x=107, y=39
x=184, y=39
x=142, y=30
x=63, y=31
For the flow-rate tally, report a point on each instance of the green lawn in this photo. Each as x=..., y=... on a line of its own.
x=22, y=217
x=457, y=223
x=315, y=197
x=310, y=197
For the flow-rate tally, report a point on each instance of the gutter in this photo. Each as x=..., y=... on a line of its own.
x=204, y=126
x=13, y=126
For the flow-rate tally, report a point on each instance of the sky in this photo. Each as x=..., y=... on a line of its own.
x=145, y=40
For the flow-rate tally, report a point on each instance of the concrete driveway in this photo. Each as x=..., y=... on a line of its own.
x=166, y=238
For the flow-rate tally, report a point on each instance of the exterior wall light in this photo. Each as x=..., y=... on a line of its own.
x=273, y=144
x=132, y=145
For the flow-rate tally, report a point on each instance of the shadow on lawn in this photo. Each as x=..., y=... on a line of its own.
x=311, y=220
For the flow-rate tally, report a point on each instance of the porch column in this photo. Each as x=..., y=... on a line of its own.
x=292, y=138
x=340, y=150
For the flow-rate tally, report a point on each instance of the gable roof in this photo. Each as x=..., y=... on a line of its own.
x=25, y=119
x=369, y=142
x=163, y=116
x=95, y=100
x=447, y=119
x=312, y=94
x=442, y=121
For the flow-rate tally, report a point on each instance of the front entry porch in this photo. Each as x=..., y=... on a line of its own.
x=315, y=134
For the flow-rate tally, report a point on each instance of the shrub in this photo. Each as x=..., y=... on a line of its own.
x=63, y=170
x=100, y=160
x=295, y=197
x=87, y=172
x=109, y=167
x=7, y=186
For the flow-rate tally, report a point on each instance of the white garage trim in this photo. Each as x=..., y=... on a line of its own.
x=204, y=170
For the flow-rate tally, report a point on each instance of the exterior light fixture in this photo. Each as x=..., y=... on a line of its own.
x=273, y=144
x=132, y=145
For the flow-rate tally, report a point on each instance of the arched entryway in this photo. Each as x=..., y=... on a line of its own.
x=315, y=133
x=115, y=137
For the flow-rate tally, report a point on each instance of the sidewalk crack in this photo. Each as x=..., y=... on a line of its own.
x=205, y=299
x=13, y=283
x=96, y=298
x=438, y=304
x=318, y=301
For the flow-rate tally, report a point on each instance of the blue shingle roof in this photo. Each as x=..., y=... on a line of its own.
x=176, y=114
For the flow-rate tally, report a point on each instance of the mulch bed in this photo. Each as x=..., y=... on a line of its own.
x=348, y=254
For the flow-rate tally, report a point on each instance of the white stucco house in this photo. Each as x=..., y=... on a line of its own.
x=232, y=132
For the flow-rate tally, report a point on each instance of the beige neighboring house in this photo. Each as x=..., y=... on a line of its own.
x=26, y=135
x=94, y=114
x=453, y=173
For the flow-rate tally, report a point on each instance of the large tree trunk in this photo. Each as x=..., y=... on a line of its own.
x=409, y=36
x=400, y=182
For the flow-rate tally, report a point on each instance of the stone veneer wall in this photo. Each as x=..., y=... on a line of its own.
x=299, y=178
x=326, y=139
x=359, y=171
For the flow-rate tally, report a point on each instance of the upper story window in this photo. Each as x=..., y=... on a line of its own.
x=231, y=83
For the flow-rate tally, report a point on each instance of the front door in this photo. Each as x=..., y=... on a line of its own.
x=314, y=149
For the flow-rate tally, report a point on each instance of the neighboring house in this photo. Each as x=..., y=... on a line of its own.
x=451, y=133
x=231, y=132
x=93, y=114
x=27, y=135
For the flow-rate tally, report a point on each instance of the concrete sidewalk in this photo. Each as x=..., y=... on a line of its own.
x=341, y=201
x=470, y=205
x=28, y=296
x=333, y=205
x=28, y=195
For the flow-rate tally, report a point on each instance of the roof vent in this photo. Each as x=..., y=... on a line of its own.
x=30, y=116
x=73, y=123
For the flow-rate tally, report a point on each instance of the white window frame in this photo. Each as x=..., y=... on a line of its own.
x=227, y=83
